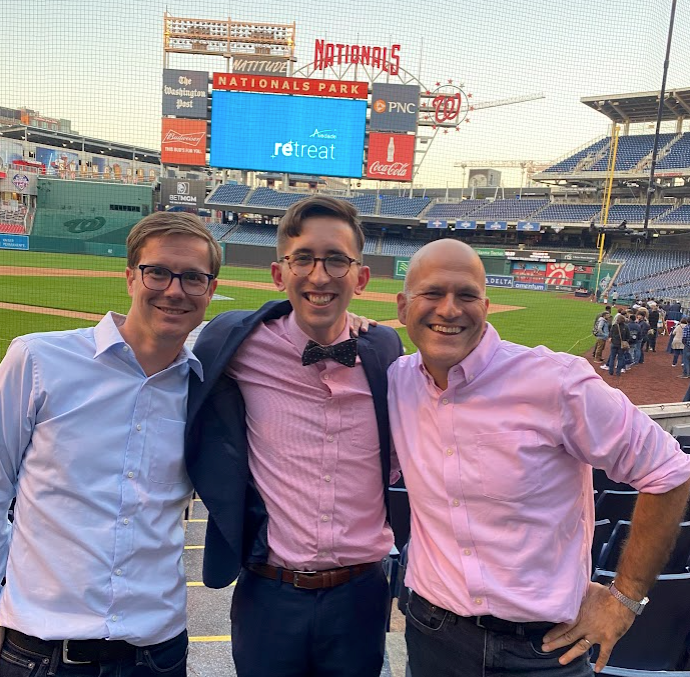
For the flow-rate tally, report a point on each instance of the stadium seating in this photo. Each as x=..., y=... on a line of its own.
x=365, y=204
x=657, y=639
x=12, y=228
x=263, y=236
x=267, y=197
x=615, y=505
x=631, y=149
x=571, y=162
x=513, y=210
x=219, y=230
x=633, y=213
x=660, y=272
x=231, y=194
x=568, y=213
x=678, y=156
x=680, y=215
x=392, y=246
x=392, y=205
x=454, y=210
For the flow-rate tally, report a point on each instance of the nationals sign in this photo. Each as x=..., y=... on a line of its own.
x=183, y=142
x=391, y=157
x=273, y=84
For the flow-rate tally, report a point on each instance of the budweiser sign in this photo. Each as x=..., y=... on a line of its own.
x=183, y=142
x=189, y=139
x=391, y=157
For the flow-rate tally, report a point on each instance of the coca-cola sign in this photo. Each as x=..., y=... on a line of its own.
x=391, y=157
x=183, y=142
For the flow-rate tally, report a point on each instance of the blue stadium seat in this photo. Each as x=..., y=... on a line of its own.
x=267, y=197
x=231, y=194
x=678, y=156
x=571, y=162
x=410, y=207
x=659, y=272
x=568, y=213
x=263, y=236
x=631, y=149
x=512, y=210
x=615, y=505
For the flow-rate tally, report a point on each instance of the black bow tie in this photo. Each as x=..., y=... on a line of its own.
x=344, y=352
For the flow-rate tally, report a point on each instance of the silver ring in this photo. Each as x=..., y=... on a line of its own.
x=584, y=639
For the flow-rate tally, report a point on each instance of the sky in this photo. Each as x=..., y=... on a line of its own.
x=100, y=64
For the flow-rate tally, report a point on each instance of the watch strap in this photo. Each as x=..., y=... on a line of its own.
x=636, y=607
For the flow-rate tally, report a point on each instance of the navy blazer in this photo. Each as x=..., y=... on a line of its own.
x=216, y=441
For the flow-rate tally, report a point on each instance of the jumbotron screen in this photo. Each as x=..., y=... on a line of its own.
x=293, y=134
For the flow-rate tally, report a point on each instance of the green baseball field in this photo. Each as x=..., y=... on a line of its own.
x=44, y=292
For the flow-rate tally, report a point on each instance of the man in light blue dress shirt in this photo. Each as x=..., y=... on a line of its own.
x=91, y=445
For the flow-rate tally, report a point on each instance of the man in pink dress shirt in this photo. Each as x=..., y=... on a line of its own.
x=288, y=446
x=497, y=443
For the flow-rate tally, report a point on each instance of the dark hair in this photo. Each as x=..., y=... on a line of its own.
x=319, y=205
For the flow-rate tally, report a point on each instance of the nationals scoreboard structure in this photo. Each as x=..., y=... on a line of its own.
x=353, y=112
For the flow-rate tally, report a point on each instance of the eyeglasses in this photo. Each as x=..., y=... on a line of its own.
x=157, y=278
x=336, y=265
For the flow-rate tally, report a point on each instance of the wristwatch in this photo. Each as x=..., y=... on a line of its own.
x=636, y=607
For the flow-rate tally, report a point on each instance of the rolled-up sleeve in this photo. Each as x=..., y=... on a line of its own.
x=17, y=417
x=603, y=428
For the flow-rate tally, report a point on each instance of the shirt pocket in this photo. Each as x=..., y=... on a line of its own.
x=508, y=464
x=167, y=464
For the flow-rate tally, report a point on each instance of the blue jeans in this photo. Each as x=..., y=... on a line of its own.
x=168, y=658
x=686, y=360
x=677, y=353
x=636, y=352
x=616, y=352
x=441, y=644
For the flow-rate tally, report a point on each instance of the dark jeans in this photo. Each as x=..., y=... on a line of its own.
x=282, y=631
x=651, y=341
x=616, y=359
x=168, y=658
x=441, y=644
x=677, y=353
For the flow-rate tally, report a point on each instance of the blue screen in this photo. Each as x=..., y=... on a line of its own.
x=293, y=134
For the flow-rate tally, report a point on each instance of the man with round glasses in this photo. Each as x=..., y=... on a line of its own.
x=92, y=445
x=288, y=447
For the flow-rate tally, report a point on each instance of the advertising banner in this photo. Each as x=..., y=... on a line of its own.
x=259, y=64
x=525, y=271
x=466, y=225
x=529, y=226
x=497, y=253
x=183, y=192
x=294, y=134
x=499, y=280
x=394, y=108
x=183, y=142
x=185, y=93
x=402, y=263
x=496, y=225
x=274, y=84
x=391, y=157
x=24, y=183
x=584, y=269
x=14, y=241
x=57, y=161
x=437, y=223
x=529, y=286
x=560, y=274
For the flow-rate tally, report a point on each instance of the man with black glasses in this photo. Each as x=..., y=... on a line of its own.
x=288, y=446
x=91, y=444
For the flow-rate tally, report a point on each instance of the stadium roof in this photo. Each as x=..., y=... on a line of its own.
x=78, y=142
x=641, y=106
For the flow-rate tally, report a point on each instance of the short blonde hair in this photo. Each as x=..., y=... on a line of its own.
x=161, y=224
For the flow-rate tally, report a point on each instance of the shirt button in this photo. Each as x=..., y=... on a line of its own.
x=326, y=377
x=445, y=400
x=456, y=503
x=328, y=478
x=138, y=426
x=125, y=521
x=118, y=572
x=324, y=518
x=467, y=551
x=470, y=378
x=130, y=474
x=114, y=617
x=477, y=600
x=449, y=452
x=330, y=438
x=125, y=349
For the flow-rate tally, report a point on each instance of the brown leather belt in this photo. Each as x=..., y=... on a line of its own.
x=74, y=652
x=312, y=580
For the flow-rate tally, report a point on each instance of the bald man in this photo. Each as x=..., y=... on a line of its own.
x=497, y=443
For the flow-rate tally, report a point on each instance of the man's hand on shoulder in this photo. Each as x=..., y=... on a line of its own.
x=602, y=620
x=358, y=324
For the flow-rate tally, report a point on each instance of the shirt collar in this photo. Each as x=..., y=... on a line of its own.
x=107, y=335
x=474, y=364
x=299, y=339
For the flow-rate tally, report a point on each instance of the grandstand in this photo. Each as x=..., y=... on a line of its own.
x=652, y=272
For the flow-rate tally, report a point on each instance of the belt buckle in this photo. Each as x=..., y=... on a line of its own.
x=66, y=660
x=297, y=574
